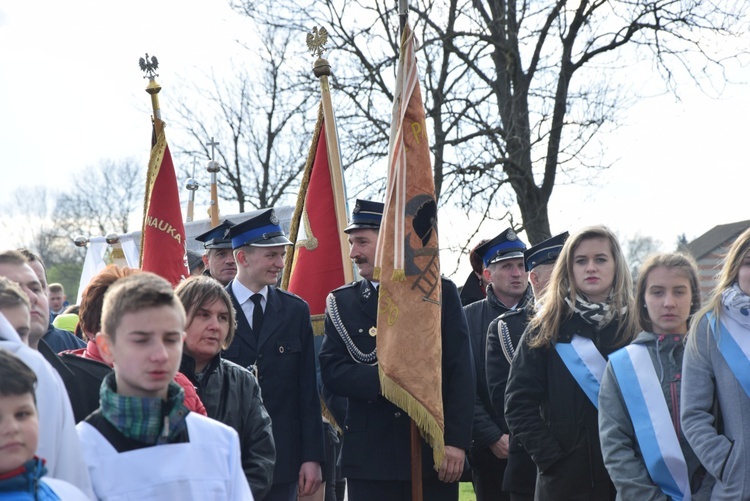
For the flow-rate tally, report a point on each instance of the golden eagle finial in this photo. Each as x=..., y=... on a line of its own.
x=316, y=41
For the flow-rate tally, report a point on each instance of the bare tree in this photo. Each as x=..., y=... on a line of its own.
x=28, y=222
x=105, y=199
x=637, y=249
x=516, y=92
x=258, y=117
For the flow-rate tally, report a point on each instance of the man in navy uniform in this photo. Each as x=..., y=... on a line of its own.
x=503, y=336
x=507, y=289
x=375, y=456
x=219, y=259
x=275, y=339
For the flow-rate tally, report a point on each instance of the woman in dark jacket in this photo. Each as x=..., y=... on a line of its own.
x=230, y=393
x=552, y=393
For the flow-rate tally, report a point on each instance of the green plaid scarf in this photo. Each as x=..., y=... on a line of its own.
x=147, y=420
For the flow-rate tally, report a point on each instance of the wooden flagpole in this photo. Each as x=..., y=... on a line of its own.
x=322, y=70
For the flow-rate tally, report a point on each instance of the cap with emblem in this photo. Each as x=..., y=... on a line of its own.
x=506, y=245
x=544, y=252
x=262, y=230
x=214, y=238
x=366, y=215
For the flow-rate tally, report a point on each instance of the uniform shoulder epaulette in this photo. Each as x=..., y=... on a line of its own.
x=347, y=286
x=290, y=294
x=511, y=313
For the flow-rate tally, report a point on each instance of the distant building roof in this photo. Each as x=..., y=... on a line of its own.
x=714, y=237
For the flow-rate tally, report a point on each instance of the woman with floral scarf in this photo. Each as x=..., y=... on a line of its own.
x=552, y=394
x=716, y=378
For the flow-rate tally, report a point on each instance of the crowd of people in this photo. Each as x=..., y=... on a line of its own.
x=561, y=379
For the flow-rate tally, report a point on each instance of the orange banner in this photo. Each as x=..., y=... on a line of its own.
x=408, y=265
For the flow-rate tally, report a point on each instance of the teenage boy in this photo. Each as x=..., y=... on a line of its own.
x=143, y=442
x=21, y=471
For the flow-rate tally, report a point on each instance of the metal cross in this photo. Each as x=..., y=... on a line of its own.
x=212, y=144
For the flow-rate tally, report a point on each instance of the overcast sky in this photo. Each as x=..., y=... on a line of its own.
x=71, y=94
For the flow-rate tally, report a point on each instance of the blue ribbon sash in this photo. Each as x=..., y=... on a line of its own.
x=654, y=431
x=585, y=364
x=734, y=348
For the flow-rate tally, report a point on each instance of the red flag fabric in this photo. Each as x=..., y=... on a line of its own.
x=408, y=267
x=318, y=267
x=163, y=248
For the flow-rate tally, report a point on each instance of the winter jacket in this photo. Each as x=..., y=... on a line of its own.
x=486, y=428
x=554, y=419
x=622, y=454
x=232, y=396
x=708, y=385
x=520, y=473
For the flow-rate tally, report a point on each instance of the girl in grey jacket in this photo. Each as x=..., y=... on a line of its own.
x=716, y=389
x=667, y=295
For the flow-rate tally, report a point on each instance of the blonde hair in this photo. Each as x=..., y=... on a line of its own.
x=677, y=261
x=545, y=325
x=730, y=270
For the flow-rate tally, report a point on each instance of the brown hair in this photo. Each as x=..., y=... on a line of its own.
x=477, y=263
x=92, y=300
x=16, y=378
x=134, y=293
x=56, y=287
x=672, y=261
x=546, y=323
x=199, y=291
x=12, y=295
x=12, y=257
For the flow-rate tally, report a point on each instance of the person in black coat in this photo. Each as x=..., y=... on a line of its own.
x=230, y=393
x=551, y=399
x=275, y=339
x=507, y=290
x=376, y=457
x=503, y=337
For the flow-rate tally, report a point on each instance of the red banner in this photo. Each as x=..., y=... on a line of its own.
x=163, y=238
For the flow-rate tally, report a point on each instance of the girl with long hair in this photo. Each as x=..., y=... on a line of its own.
x=716, y=378
x=644, y=449
x=552, y=394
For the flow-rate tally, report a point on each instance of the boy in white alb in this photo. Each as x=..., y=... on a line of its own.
x=143, y=443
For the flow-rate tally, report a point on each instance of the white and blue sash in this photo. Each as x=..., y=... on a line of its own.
x=647, y=406
x=585, y=364
x=734, y=348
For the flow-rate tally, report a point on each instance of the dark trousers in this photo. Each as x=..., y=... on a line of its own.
x=383, y=490
x=487, y=476
x=282, y=492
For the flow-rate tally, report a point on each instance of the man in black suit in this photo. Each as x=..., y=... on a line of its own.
x=275, y=339
x=376, y=454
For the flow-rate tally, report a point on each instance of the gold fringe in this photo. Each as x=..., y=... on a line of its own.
x=329, y=416
x=376, y=274
x=398, y=275
x=156, y=156
x=318, y=324
x=301, y=195
x=426, y=422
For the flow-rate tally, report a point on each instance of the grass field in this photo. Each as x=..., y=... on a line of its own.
x=466, y=492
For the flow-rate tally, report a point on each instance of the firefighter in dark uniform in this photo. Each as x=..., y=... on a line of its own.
x=507, y=289
x=275, y=339
x=376, y=456
x=218, y=259
x=502, y=339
